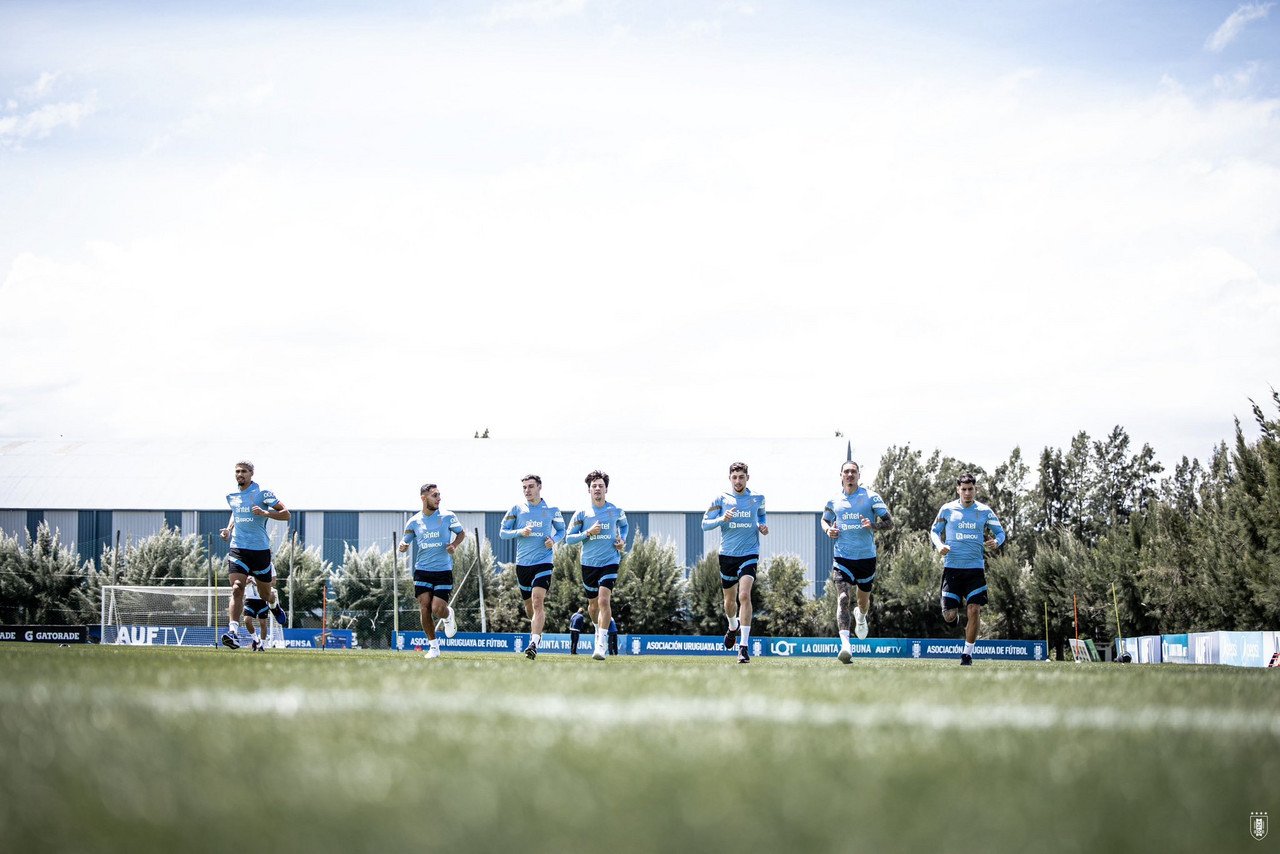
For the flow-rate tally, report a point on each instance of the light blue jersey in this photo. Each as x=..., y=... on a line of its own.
x=598, y=550
x=431, y=534
x=855, y=542
x=741, y=534
x=545, y=520
x=964, y=529
x=247, y=530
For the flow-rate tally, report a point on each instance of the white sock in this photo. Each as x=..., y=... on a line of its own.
x=257, y=636
x=234, y=628
x=535, y=639
x=733, y=624
x=968, y=648
x=602, y=637
x=449, y=618
x=435, y=643
x=746, y=635
x=844, y=637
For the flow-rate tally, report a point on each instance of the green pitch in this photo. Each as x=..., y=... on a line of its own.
x=206, y=750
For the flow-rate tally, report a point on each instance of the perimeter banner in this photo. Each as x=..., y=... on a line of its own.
x=45, y=634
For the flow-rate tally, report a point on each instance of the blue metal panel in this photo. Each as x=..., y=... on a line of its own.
x=638, y=524
x=105, y=529
x=208, y=524
x=298, y=525
x=692, y=538
x=34, y=518
x=504, y=551
x=341, y=528
x=173, y=518
x=824, y=551
x=87, y=535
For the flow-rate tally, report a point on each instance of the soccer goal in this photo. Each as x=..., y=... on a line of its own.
x=185, y=616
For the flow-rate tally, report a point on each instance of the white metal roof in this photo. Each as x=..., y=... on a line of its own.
x=378, y=474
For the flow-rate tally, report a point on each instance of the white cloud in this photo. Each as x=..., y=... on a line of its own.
x=1235, y=24
x=43, y=121
x=40, y=88
x=620, y=237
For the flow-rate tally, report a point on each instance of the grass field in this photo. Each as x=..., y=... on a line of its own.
x=135, y=748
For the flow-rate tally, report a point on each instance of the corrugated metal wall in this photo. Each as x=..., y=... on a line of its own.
x=135, y=525
x=66, y=524
x=14, y=522
x=89, y=531
x=669, y=526
x=381, y=530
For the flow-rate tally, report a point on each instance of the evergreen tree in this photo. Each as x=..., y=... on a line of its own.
x=706, y=601
x=789, y=611
x=650, y=596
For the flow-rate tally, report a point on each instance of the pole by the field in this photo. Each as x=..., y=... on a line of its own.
x=293, y=562
x=1046, y=628
x=208, y=547
x=1075, y=608
x=484, y=627
x=1119, y=632
x=115, y=562
x=395, y=588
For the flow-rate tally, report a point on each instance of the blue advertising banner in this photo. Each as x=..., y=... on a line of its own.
x=1174, y=649
x=210, y=636
x=1204, y=647
x=828, y=647
x=497, y=642
x=1241, y=649
x=1148, y=650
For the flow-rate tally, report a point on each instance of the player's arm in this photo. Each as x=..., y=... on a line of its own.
x=225, y=533
x=937, y=532
x=996, y=529
x=829, y=526
x=762, y=519
x=508, y=530
x=277, y=511
x=458, y=536
x=623, y=528
x=557, y=528
x=883, y=520
x=406, y=540
x=714, y=517
x=575, y=533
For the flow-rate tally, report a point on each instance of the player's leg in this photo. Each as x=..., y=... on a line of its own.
x=424, y=614
x=539, y=616
x=745, y=584
x=844, y=616
x=235, y=607
x=442, y=591
x=605, y=610
x=974, y=613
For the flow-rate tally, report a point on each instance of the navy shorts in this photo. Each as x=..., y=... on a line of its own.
x=859, y=571
x=962, y=587
x=595, y=577
x=733, y=568
x=255, y=562
x=438, y=584
x=529, y=577
x=256, y=608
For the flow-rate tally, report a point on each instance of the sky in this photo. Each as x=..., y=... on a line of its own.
x=958, y=226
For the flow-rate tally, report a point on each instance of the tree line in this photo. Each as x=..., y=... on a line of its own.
x=1098, y=526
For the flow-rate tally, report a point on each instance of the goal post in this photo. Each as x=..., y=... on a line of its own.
x=187, y=616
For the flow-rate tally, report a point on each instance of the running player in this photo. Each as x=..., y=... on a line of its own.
x=602, y=528
x=255, y=617
x=740, y=513
x=433, y=570
x=250, y=555
x=849, y=519
x=536, y=527
x=960, y=534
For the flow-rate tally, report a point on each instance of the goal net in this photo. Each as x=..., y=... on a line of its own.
x=185, y=616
